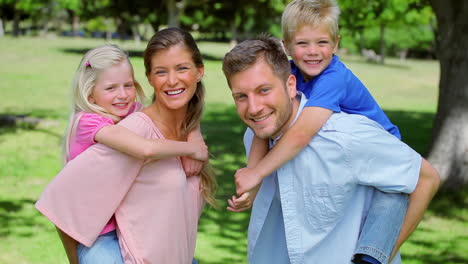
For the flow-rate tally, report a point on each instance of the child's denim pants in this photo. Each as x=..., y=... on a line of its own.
x=104, y=250
x=382, y=225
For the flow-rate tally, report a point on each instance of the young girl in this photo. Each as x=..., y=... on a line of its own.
x=104, y=92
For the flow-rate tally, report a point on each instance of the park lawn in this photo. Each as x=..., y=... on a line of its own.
x=36, y=75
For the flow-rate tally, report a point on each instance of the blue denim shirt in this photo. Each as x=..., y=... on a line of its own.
x=325, y=191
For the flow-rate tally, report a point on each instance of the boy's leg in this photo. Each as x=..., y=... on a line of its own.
x=381, y=227
x=105, y=249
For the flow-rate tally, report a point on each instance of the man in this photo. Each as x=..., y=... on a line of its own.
x=311, y=210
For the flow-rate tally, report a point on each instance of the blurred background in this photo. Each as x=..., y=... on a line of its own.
x=404, y=51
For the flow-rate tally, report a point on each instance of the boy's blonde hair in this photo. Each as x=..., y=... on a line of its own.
x=313, y=13
x=92, y=64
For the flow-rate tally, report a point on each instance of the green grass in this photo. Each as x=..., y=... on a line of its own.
x=36, y=75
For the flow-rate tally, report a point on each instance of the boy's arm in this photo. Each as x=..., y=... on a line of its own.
x=70, y=246
x=124, y=140
x=291, y=143
x=419, y=199
x=257, y=152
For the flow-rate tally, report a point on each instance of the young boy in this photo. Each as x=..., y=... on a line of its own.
x=311, y=37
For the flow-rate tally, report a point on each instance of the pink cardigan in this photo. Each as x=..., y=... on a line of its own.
x=156, y=206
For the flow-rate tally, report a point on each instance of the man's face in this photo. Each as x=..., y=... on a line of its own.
x=263, y=101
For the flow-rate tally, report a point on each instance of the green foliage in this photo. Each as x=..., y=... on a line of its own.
x=407, y=24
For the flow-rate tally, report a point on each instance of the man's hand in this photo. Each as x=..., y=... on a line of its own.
x=246, y=179
x=244, y=202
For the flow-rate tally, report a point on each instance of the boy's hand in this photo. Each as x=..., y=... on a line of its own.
x=191, y=166
x=246, y=179
x=244, y=202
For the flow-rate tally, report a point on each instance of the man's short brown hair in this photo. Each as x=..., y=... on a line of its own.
x=246, y=54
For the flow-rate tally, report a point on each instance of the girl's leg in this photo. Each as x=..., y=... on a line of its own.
x=381, y=227
x=104, y=250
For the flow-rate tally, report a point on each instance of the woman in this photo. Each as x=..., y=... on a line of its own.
x=156, y=206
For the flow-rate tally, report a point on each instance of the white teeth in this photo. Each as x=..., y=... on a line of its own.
x=175, y=92
x=313, y=62
x=121, y=104
x=261, y=118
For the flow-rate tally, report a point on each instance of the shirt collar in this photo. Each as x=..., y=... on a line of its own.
x=302, y=101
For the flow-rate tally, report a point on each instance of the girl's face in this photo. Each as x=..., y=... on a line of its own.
x=115, y=89
x=174, y=77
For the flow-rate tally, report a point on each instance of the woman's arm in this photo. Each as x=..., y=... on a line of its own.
x=124, y=140
x=193, y=167
x=309, y=122
x=70, y=246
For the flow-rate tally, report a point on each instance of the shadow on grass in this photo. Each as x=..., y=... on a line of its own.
x=138, y=54
x=415, y=128
x=224, y=132
x=15, y=215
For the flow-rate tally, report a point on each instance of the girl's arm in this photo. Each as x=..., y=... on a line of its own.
x=70, y=246
x=124, y=140
x=291, y=143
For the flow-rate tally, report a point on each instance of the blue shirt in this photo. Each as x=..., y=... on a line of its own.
x=338, y=89
x=325, y=191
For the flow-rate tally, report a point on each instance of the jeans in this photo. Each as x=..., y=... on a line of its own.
x=382, y=225
x=105, y=250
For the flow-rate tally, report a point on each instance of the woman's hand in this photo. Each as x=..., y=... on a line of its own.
x=193, y=164
x=199, y=150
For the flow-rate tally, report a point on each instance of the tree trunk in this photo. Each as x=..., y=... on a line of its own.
x=382, y=43
x=449, y=146
x=362, y=40
x=75, y=24
x=2, y=30
x=174, y=10
x=16, y=23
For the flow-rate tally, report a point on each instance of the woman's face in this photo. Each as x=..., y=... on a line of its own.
x=174, y=77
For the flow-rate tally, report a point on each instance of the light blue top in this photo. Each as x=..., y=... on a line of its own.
x=338, y=89
x=324, y=193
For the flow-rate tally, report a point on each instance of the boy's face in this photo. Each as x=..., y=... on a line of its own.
x=263, y=100
x=311, y=49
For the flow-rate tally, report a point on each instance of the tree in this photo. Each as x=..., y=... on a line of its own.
x=449, y=147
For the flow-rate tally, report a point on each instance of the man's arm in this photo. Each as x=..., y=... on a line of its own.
x=427, y=186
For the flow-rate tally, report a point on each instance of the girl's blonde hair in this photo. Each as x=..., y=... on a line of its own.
x=92, y=64
x=163, y=40
x=313, y=13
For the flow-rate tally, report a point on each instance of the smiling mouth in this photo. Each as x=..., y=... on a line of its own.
x=175, y=92
x=314, y=62
x=121, y=105
x=261, y=118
